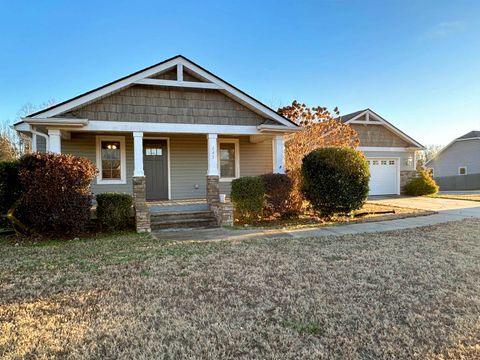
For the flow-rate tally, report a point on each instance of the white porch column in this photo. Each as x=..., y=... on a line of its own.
x=54, y=141
x=34, y=142
x=278, y=155
x=212, y=155
x=138, y=153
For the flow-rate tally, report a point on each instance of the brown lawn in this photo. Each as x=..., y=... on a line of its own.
x=406, y=294
x=370, y=212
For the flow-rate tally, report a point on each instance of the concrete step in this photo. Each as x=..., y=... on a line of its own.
x=183, y=219
x=161, y=216
x=206, y=222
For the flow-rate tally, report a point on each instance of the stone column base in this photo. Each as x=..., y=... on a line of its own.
x=223, y=213
x=405, y=177
x=213, y=189
x=142, y=213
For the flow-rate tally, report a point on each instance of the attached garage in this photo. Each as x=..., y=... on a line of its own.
x=384, y=176
x=391, y=154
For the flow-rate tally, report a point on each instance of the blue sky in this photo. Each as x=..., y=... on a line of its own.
x=417, y=63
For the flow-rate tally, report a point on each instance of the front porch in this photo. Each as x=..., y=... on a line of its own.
x=171, y=172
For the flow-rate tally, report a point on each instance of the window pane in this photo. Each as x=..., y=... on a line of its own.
x=111, y=163
x=227, y=160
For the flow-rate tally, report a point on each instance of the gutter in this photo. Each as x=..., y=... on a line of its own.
x=278, y=128
x=63, y=122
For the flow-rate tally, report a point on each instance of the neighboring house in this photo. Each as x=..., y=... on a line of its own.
x=460, y=157
x=391, y=154
x=457, y=165
x=172, y=131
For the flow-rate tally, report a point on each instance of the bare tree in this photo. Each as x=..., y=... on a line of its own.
x=428, y=154
x=13, y=144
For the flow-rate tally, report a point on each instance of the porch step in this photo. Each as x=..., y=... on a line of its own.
x=185, y=219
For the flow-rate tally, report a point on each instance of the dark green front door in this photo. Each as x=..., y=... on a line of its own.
x=155, y=164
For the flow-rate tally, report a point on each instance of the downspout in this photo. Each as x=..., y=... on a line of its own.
x=35, y=132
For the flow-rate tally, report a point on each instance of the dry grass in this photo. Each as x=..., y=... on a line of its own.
x=370, y=212
x=406, y=294
x=470, y=197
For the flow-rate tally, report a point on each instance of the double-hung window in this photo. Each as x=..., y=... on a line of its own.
x=228, y=159
x=111, y=161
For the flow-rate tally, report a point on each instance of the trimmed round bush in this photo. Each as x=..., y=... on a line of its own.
x=278, y=189
x=56, y=196
x=423, y=184
x=335, y=180
x=9, y=184
x=114, y=211
x=248, y=194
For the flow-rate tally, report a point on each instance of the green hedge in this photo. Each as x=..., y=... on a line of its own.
x=114, y=211
x=421, y=185
x=10, y=188
x=248, y=194
x=335, y=180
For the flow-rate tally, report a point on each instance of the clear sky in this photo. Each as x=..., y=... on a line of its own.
x=416, y=63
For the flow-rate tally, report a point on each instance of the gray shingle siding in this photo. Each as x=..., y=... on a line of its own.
x=460, y=153
x=156, y=104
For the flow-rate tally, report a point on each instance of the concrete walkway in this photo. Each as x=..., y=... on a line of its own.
x=446, y=210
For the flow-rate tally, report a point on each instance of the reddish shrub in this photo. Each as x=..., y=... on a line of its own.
x=278, y=191
x=56, y=196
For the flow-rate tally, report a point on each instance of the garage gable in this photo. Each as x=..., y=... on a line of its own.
x=375, y=131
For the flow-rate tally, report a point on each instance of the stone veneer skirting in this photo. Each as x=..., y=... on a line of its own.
x=142, y=213
x=405, y=177
x=213, y=189
x=223, y=213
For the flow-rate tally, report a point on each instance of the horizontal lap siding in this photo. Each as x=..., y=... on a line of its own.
x=85, y=145
x=255, y=159
x=188, y=166
x=188, y=162
x=461, y=153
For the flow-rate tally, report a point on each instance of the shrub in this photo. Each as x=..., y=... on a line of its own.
x=9, y=184
x=56, y=196
x=278, y=190
x=421, y=185
x=247, y=195
x=335, y=180
x=114, y=210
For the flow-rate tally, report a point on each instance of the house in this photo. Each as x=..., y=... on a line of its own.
x=172, y=131
x=457, y=165
x=389, y=151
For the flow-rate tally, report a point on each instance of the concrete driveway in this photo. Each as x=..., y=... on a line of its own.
x=443, y=206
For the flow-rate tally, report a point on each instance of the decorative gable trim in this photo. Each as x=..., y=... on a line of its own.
x=143, y=77
x=372, y=118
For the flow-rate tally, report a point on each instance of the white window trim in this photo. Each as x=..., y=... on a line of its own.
x=462, y=167
x=237, y=159
x=123, y=160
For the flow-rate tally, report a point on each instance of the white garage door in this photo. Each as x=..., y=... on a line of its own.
x=383, y=176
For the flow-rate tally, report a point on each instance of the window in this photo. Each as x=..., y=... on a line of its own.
x=111, y=160
x=384, y=162
x=228, y=159
x=375, y=162
x=462, y=170
x=391, y=162
x=152, y=150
